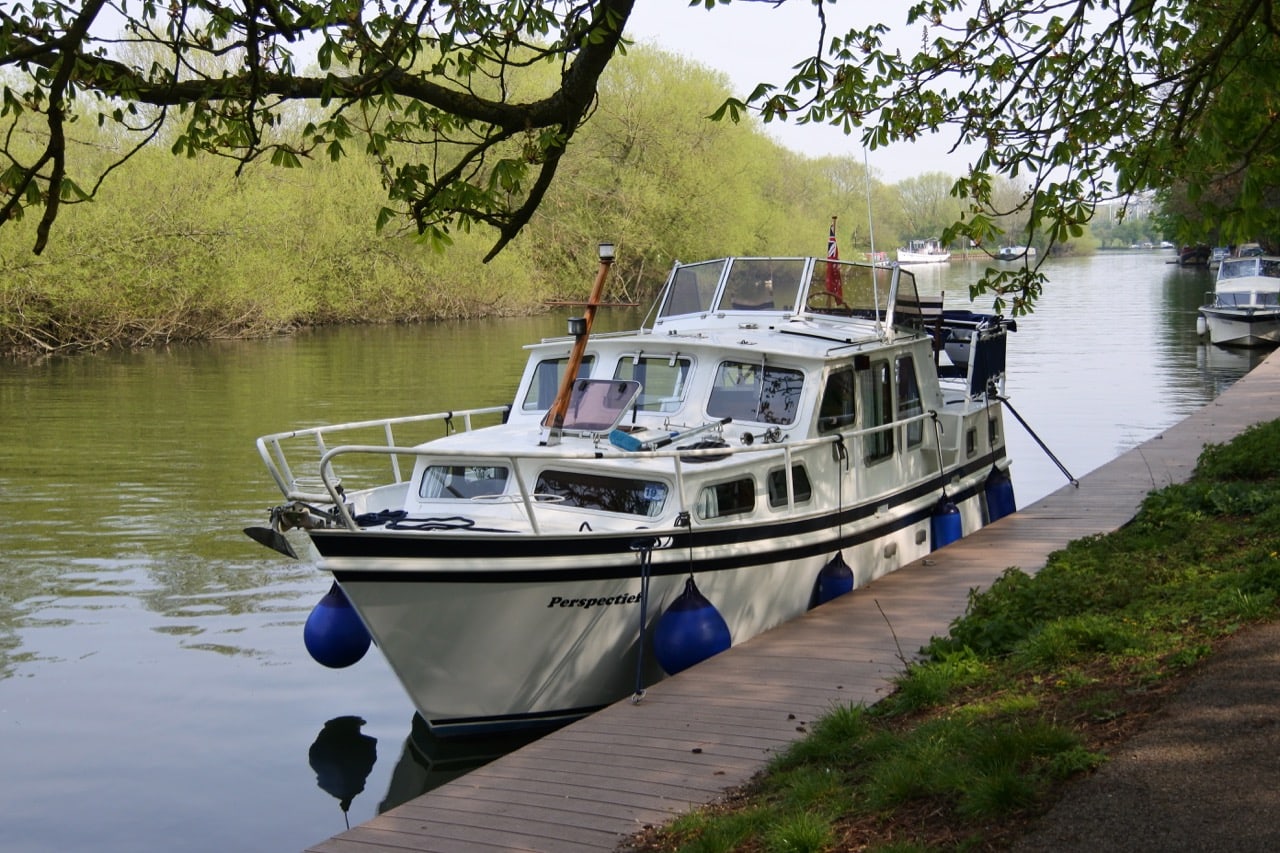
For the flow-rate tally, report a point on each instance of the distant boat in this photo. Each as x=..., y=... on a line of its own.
x=1194, y=256
x=1015, y=253
x=1244, y=310
x=923, y=252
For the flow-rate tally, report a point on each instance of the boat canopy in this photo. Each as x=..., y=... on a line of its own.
x=1251, y=266
x=792, y=286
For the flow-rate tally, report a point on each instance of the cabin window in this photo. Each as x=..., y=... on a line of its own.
x=909, y=402
x=843, y=288
x=877, y=411
x=758, y=284
x=462, y=482
x=723, y=499
x=626, y=495
x=546, y=381
x=837, y=409
x=662, y=378
x=692, y=289
x=778, y=486
x=752, y=392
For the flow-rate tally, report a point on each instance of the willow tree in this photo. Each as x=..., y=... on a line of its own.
x=427, y=88
x=1082, y=101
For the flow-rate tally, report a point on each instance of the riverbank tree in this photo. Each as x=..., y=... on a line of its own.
x=178, y=249
x=1086, y=101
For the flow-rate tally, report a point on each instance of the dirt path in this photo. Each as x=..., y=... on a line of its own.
x=1202, y=775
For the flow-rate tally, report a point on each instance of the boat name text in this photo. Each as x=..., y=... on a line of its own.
x=586, y=603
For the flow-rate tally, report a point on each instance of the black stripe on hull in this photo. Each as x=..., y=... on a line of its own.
x=670, y=560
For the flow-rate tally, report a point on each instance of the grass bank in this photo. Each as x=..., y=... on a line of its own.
x=1035, y=685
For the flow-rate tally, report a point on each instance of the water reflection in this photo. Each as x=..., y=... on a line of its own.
x=427, y=761
x=342, y=757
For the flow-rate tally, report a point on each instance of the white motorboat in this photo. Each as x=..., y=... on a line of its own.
x=1015, y=253
x=779, y=435
x=1244, y=308
x=924, y=252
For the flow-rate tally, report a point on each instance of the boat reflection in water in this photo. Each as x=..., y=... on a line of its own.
x=428, y=761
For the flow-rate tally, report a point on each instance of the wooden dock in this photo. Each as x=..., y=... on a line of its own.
x=590, y=785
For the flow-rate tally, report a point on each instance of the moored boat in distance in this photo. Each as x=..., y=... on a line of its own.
x=1015, y=253
x=1244, y=308
x=786, y=430
x=924, y=252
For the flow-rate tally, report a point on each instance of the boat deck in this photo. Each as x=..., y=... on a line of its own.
x=588, y=786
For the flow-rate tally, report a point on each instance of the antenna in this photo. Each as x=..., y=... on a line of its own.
x=871, y=228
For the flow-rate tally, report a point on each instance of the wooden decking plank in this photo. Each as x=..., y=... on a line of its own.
x=515, y=795
x=663, y=766
x=724, y=718
x=737, y=741
x=492, y=829
x=375, y=839
x=750, y=703
x=676, y=782
x=466, y=810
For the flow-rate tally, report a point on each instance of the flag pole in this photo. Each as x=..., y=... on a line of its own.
x=871, y=228
x=871, y=231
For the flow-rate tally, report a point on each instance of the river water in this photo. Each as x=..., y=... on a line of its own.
x=155, y=693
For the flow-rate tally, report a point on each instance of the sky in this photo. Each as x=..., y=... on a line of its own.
x=755, y=42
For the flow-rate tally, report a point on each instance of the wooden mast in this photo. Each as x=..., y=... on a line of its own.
x=560, y=408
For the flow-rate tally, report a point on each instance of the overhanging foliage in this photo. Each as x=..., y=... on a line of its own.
x=1085, y=100
x=429, y=89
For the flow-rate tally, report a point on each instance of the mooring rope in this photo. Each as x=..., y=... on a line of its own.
x=1070, y=479
x=937, y=432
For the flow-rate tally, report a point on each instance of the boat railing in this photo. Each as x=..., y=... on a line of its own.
x=276, y=451
x=333, y=493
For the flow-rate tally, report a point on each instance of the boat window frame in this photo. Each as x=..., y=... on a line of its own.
x=878, y=413
x=692, y=288
x=720, y=510
x=684, y=366
x=800, y=494
x=913, y=433
x=561, y=498
x=748, y=397
x=538, y=383
x=466, y=492
x=846, y=398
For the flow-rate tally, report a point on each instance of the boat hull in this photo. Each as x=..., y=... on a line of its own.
x=517, y=632
x=1242, y=327
x=907, y=257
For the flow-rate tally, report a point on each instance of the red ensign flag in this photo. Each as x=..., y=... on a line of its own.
x=834, y=285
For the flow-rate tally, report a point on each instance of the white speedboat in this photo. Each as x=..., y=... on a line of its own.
x=779, y=435
x=1015, y=253
x=924, y=252
x=1244, y=308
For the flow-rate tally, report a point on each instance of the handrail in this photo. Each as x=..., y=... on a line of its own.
x=271, y=449
x=332, y=484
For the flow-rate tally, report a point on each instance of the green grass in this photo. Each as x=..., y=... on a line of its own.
x=1032, y=685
